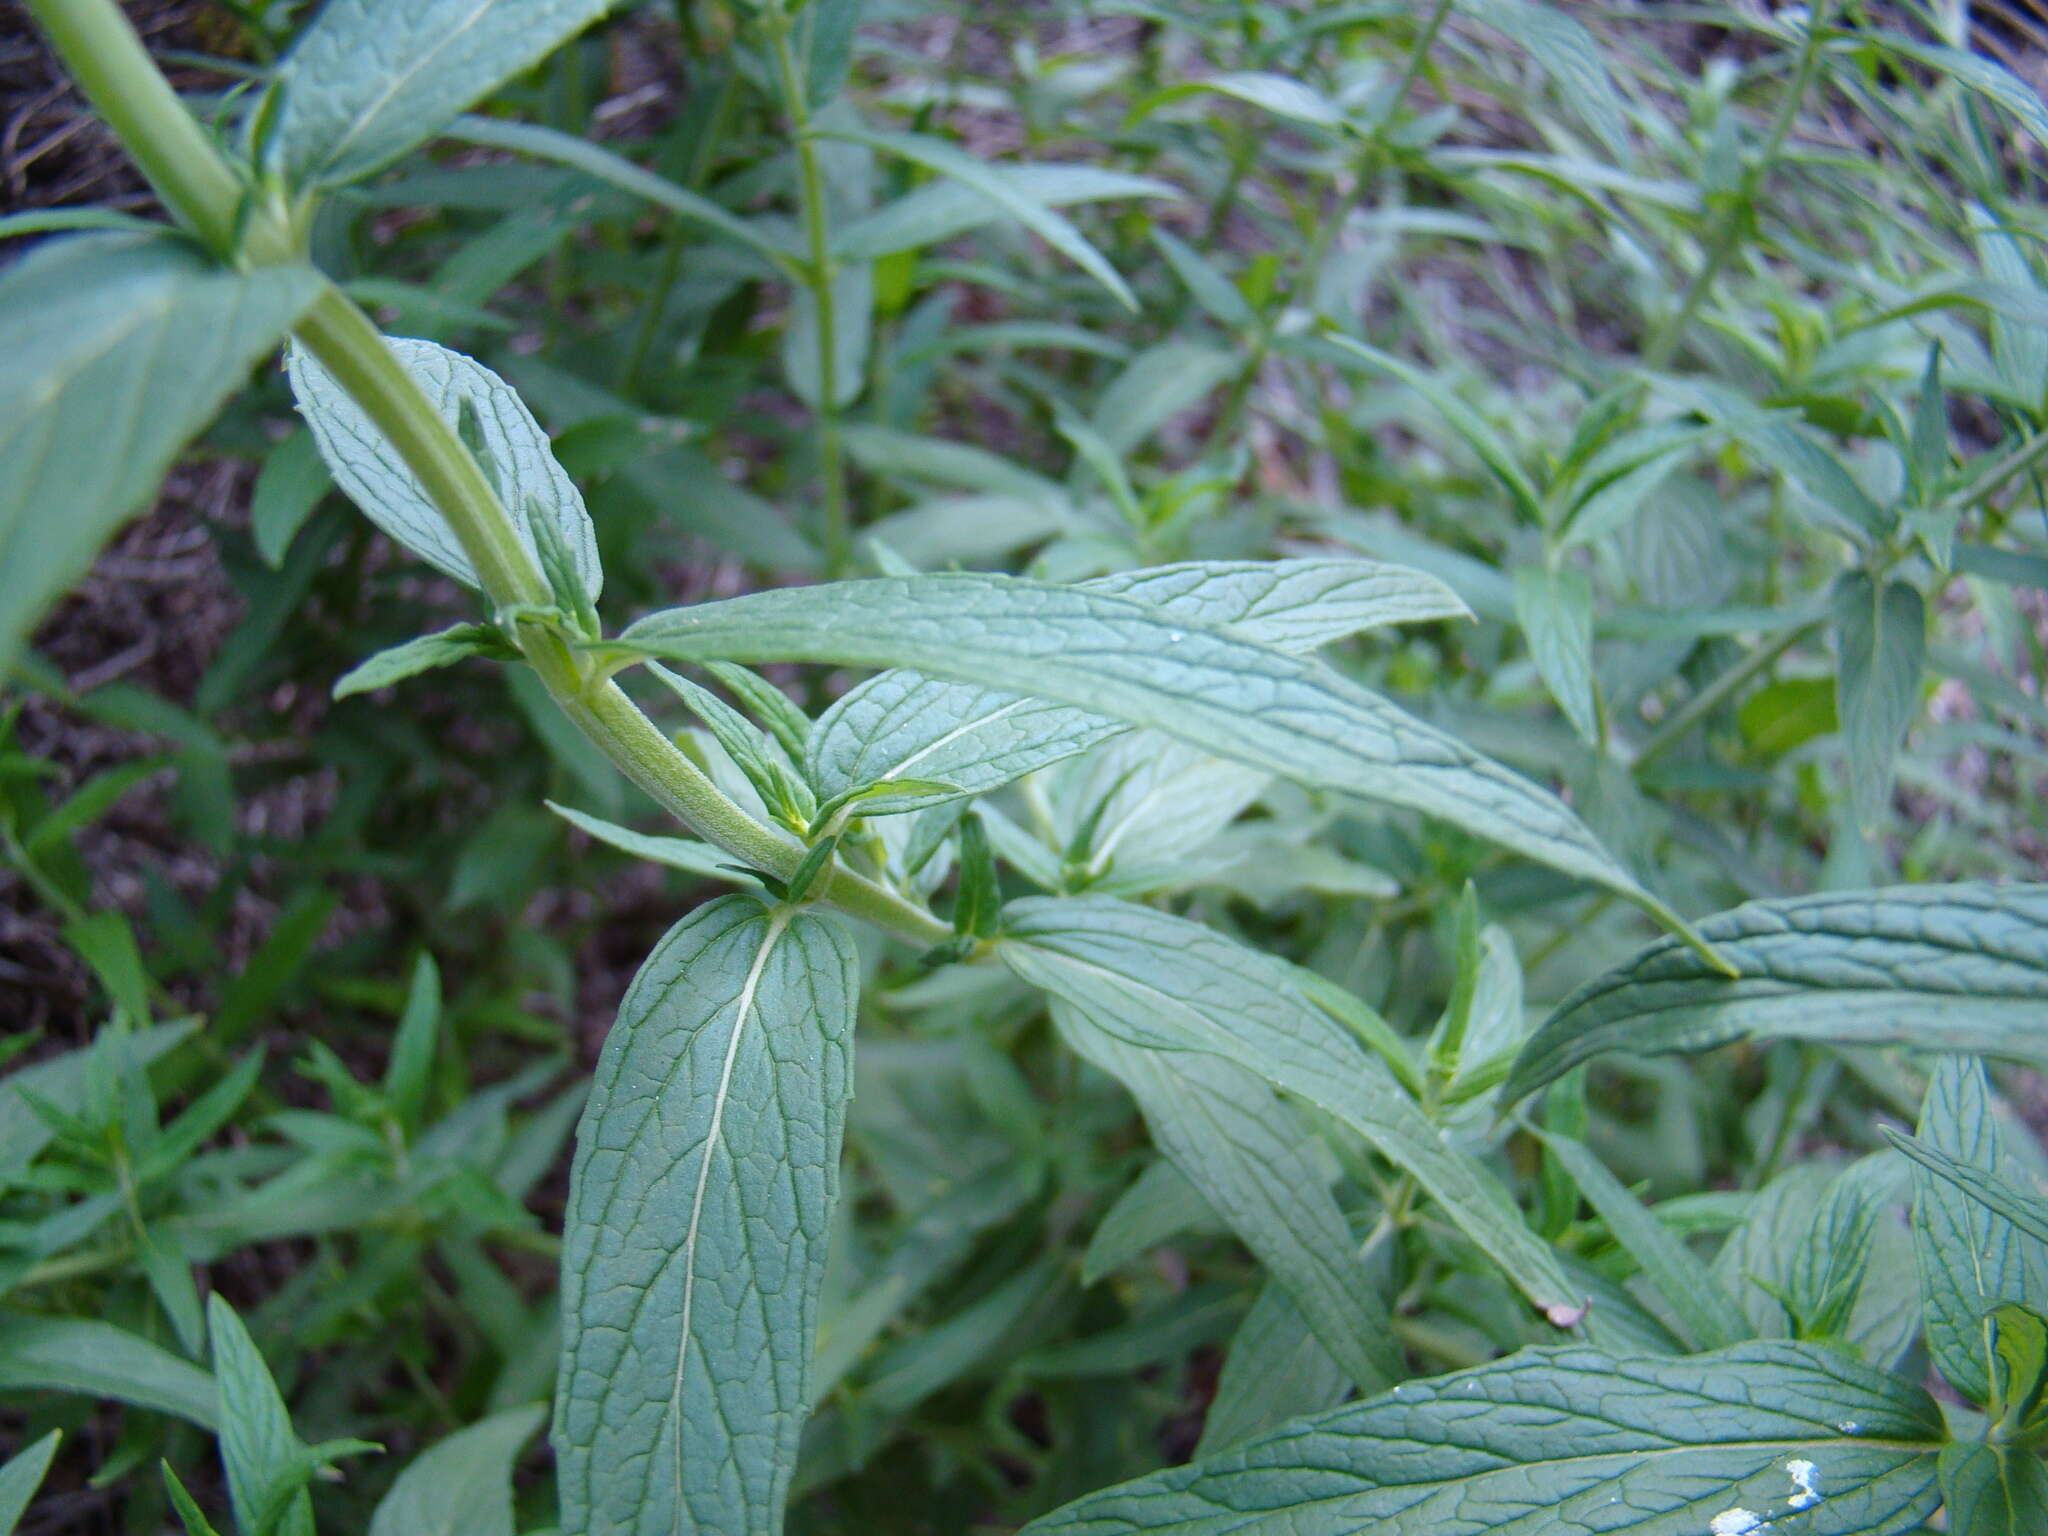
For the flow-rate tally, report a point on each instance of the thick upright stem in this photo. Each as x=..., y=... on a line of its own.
x=108, y=61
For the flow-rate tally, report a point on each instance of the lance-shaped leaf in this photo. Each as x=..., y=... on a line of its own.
x=956, y=164
x=1556, y=613
x=1166, y=984
x=460, y=1486
x=2026, y=1211
x=1993, y=1490
x=1945, y=967
x=369, y=79
x=1882, y=637
x=20, y=1478
x=1972, y=1260
x=1129, y=660
x=1276, y=1370
x=706, y=1168
x=97, y=1359
x=1222, y=1127
x=119, y=349
x=904, y=724
x=1572, y=1439
x=514, y=446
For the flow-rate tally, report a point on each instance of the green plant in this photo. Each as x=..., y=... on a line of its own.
x=1043, y=768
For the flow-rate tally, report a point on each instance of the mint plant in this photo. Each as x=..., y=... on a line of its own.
x=1003, y=817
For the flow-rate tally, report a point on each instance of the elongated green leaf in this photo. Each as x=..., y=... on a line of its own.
x=1556, y=612
x=1276, y=1370
x=684, y=853
x=1709, y=1315
x=1222, y=1127
x=1161, y=1203
x=443, y=648
x=1166, y=984
x=119, y=349
x=939, y=210
x=1281, y=95
x=66, y=1354
x=1944, y=967
x=1991, y=80
x=1993, y=1490
x=1571, y=56
x=706, y=1168
x=368, y=468
x=2026, y=1211
x=579, y=154
x=258, y=1446
x=288, y=488
x=1571, y=1439
x=1132, y=661
x=21, y=1476
x=1478, y=434
x=904, y=724
x=1882, y=637
x=1971, y=1259
x=1050, y=226
x=60, y=1081
x=369, y=79
x=461, y=1486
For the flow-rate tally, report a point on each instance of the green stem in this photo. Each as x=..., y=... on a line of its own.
x=818, y=276
x=1728, y=228
x=101, y=50
x=1715, y=694
x=105, y=57
x=2002, y=472
x=1417, y=57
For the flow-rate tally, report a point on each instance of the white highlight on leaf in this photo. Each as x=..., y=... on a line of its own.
x=1735, y=1522
x=1804, y=1494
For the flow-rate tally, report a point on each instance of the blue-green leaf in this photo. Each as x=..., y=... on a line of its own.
x=119, y=349
x=706, y=1168
x=1945, y=967
x=1169, y=985
x=1125, y=659
x=1571, y=1439
x=1223, y=1128
x=369, y=79
x=1882, y=638
x=460, y=1486
x=21, y=1476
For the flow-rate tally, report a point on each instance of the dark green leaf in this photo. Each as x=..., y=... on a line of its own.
x=442, y=649
x=96, y=1359
x=1945, y=967
x=461, y=1486
x=21, y=1476
x=1555, y=1440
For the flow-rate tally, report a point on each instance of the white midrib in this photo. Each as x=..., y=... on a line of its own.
x=777, y=921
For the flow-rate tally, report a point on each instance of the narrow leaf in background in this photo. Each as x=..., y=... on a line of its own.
x=1882, y=638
